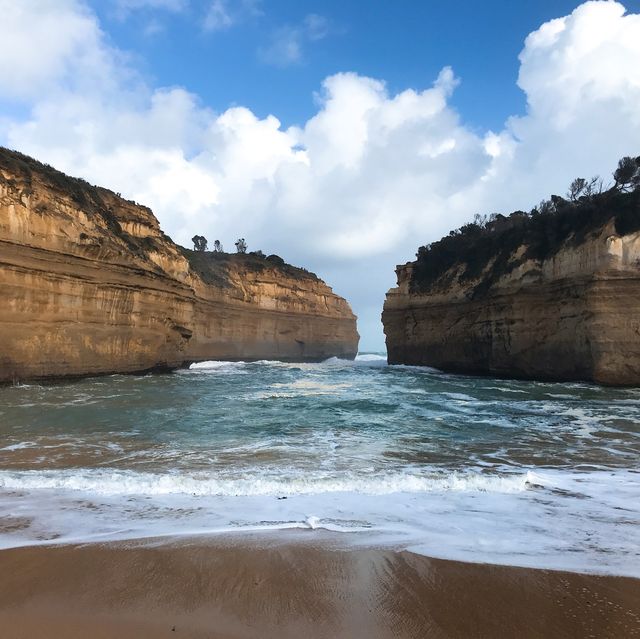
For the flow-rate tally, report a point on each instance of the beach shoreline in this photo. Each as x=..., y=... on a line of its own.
x=256, y=587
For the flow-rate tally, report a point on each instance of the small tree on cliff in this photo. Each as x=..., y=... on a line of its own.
x=580, y=188
x=199, y=243
x=576, y=189
x=627, y=175
x=217, y=247
x=241, y=246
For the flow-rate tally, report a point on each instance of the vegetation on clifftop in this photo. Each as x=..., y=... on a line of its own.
x=92, y=200
x=484, y=250
x=86, y=195
x=214, y=266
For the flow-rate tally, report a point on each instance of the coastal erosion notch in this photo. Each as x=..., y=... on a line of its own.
x=90, y=285
x=551, y=295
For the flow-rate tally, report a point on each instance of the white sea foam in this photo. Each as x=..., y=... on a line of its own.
x=370, y=357
x=460, y=397
x=122, y=482
x=506, y=389
x=363, y=359
x=426, y=370
x=563, y=520
x=218, y=366
x=19, y=446
x=302, y=388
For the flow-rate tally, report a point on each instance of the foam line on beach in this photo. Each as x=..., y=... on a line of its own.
x=126, y=482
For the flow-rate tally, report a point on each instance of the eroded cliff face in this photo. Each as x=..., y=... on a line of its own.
x=572, y=316
x=89, y=284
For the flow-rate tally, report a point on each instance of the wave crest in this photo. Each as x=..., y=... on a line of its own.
x=114, y=482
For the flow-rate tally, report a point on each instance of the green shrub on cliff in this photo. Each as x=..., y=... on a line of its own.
x=486, y=246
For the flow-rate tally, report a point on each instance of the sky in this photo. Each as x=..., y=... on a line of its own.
x=339, y=135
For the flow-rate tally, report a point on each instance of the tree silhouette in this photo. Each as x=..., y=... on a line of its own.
x=199, y=243
x=627, y=175
x=576, y=189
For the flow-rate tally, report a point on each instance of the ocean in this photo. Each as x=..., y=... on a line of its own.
x=476, y=469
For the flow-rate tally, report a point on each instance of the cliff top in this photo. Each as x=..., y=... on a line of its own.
x=483, y=251
x=89, y=196
x=213, y=268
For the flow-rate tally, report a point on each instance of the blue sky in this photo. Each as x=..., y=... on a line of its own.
x=404, y=42
x=340, y=135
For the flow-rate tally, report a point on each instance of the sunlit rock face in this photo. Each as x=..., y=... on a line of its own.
x=574, y=315
x=90, y=284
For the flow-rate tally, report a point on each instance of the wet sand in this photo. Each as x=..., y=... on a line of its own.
x=295, y=589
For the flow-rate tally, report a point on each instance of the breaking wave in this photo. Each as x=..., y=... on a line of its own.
x=118, y=483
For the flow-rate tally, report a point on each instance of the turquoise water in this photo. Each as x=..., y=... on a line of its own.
x=481, y=469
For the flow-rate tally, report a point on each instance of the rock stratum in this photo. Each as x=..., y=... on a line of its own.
x=548, y=296
x=90, y=284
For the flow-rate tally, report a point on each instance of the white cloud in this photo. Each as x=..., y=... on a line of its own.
x=316, y=27
x=125, y=7
x=224, y=14
x=286, y=45
x=588, y=56
x=362, y=183
x=218, y=17
x=581, y=76
x=284, y=48
x=49, y=44
x=151, y=19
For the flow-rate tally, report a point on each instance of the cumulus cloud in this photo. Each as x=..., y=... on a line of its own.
x=589, y=56
x=356, y=188
x=46, y=45
x=581, y=77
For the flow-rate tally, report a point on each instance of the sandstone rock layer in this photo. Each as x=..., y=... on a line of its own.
x=90, y=284
x=573, y=316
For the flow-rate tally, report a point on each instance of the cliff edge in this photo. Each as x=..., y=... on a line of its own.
x=90, y=284
x=553, y=294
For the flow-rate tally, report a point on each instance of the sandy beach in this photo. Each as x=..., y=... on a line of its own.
x=245, y=589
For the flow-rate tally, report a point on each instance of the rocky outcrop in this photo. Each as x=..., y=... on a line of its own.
x=571, y=314
x=90, y=284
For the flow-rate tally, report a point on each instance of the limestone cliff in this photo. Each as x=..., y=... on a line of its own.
x=552, y=296
x=90, y=284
